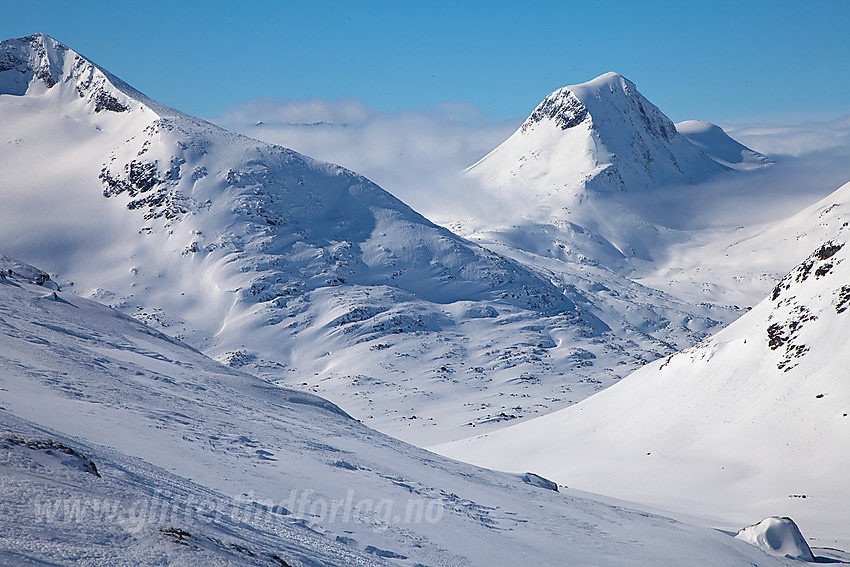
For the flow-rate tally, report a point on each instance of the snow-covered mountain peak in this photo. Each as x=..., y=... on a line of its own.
x=609, y=97
x=717, y=144
x=38, y=64
x=603, y=136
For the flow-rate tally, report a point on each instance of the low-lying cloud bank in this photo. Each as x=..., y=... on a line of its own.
x=418, y=155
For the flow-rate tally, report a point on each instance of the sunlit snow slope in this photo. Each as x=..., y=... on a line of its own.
x=122, y=446
x=751, y=423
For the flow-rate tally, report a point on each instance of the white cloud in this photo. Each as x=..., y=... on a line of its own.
x=796, y=140
x=415, y=154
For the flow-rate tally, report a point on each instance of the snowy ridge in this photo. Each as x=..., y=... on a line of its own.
x=33, y=64
x=152, y=453
x=717, y=144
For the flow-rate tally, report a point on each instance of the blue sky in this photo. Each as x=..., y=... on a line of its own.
x=720, y=61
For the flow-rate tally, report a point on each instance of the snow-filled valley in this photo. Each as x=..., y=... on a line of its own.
x=236, y=341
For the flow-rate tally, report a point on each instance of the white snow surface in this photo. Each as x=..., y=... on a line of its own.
x=120, y=445
x=778, y=536
x=301, y=271
x=752, y=422
x=598, y=176
x=720, y=147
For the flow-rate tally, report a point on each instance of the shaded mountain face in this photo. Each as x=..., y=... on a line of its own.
x=120, y=445
x=299, y=270
x=743, y=424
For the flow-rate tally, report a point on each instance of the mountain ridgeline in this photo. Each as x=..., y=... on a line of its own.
x=270, y=260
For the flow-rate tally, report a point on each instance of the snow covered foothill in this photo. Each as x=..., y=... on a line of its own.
x=745, y=424
x=199, y=463
x=778, y=536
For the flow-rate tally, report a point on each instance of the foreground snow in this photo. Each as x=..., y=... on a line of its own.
x=120, y=445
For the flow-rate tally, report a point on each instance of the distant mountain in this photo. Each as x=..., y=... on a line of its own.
x=579, y=164
x=299, y=270
x=602, y=136
x=719, y=146
x=749, y=423
x=122, y=446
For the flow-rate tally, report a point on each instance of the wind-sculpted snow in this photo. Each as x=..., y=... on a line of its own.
x=122, y=446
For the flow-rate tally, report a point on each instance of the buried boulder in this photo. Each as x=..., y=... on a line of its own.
x=539, y=481
x=778, y=536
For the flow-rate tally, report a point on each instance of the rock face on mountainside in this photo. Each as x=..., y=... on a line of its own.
x=31, y=65
x=299, y=270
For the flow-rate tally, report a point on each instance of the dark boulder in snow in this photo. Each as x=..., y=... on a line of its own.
x=539, y=481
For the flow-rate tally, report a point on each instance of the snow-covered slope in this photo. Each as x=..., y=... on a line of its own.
x=740, y=264
x=121, y=446
x=264, y=257
x=299, y=270
x=719, y=146
x=751, y=423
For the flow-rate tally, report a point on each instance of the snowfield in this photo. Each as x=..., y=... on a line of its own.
x=301, y=271
x=227, y=345
x=747, y=424
x=121, y=445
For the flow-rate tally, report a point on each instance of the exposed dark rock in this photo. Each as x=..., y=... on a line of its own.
x=49, y=446
x=386, y=554
x=563, y=108
x=843, y=299
x=105, y=101
x=538, y=481
x=178, y=536
x=784, y=334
